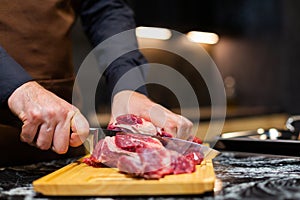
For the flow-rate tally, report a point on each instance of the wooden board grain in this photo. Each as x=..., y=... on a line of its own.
x=78, y=179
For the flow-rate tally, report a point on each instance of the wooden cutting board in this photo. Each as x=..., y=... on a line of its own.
x=78, y=179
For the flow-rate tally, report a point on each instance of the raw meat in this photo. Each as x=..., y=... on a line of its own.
x=151, y=164
x=133, y=124
x=140, y=155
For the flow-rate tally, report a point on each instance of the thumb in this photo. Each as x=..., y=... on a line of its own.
x=79, y=128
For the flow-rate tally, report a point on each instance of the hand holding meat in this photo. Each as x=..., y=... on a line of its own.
x=47, y=119
x=130, y=102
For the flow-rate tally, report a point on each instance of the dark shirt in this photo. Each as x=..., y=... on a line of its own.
x=111, y=17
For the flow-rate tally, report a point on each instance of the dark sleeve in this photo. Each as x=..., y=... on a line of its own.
x=12, y=75
x=102, y=19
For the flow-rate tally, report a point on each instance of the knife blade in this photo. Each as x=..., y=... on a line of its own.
x=174, y=144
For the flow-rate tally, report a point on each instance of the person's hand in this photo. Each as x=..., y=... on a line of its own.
x=130, y=102
x=47, y=119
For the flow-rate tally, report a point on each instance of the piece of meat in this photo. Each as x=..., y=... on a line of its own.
x=132, y=142
x=106, y=152
x=195, y=157
x=182, y=164
x=129, y=119
x=141, y=155
x=197, y=140
x=156, y=162
x=133, y=124
x=151, y=164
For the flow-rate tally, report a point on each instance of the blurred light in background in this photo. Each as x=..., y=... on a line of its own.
x=274, y=133
x=260, y=131
x=203, y=37
x=153, y=33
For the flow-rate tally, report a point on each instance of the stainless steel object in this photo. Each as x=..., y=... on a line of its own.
x=293, y=125
x=270, y=141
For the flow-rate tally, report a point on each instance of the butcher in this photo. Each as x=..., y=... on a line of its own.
x=37, y=119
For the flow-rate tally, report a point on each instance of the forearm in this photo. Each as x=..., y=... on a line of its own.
x=102, y=20
x=12, y=76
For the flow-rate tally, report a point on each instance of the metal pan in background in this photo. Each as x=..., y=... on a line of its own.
x=254, y=142
x=271, y=141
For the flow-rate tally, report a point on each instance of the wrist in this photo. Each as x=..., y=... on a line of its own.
x=131, y=102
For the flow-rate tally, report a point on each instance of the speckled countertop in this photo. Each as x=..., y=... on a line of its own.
x=239, y=176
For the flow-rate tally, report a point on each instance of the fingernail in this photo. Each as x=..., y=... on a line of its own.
x=53, y=148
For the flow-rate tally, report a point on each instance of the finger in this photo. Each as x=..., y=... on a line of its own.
x=61, y=138
x=171, y=128
x=80, y=129
x=31, y=123
x=162, y=118
x=184, y=127
x=45, y=135
x=29, y=130
x=157, y=115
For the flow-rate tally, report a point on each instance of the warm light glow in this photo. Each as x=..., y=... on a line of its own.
x=203, y=37
x=274, y=134
x=153, y=33
x=260, y=131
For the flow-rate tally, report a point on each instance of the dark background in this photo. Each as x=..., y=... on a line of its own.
x=258, y=47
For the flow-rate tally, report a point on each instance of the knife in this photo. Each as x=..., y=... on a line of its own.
x=175, y=144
